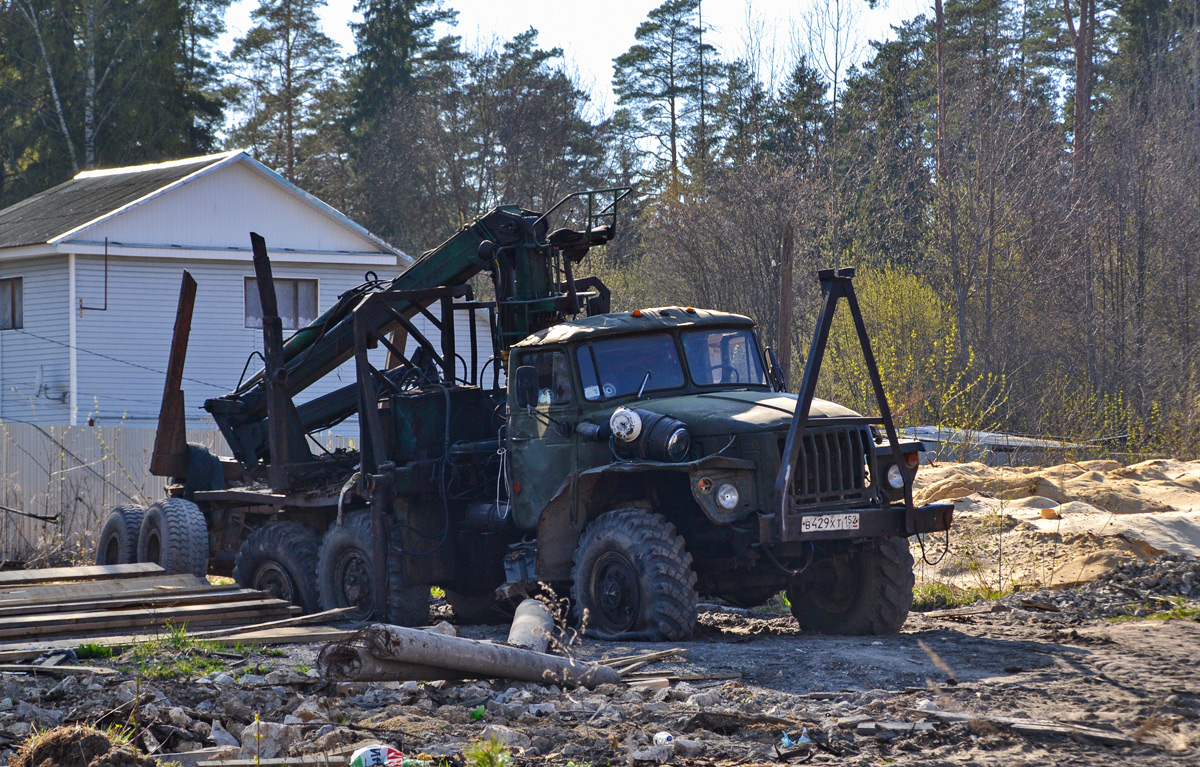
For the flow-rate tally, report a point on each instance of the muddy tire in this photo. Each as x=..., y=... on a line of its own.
x=174, y=534
x=633, y=579
x=281, y=559
x=344, y=576
x=867, y=592
x=480, y=610
x=118, y=543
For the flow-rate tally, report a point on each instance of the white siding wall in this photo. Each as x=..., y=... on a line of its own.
x=22, y=352
x=136, y=329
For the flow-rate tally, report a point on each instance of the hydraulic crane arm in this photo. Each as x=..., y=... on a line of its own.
x=527, y=263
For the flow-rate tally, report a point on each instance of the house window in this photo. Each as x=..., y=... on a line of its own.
x=11, y=298
x=297, y=301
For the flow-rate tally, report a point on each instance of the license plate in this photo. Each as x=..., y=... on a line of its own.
x=824, y=522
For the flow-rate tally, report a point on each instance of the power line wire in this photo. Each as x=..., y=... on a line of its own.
x=114, y=359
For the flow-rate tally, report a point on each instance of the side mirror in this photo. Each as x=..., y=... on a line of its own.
x=525, y=383
x=775, y=371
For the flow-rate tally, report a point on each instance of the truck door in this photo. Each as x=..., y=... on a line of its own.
x=540, y=454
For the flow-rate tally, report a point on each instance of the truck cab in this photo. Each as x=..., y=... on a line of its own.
x=658, y=435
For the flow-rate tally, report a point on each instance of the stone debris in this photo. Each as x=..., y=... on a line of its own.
x=1005, y=697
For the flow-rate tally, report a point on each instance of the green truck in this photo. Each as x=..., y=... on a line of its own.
x=632, y=460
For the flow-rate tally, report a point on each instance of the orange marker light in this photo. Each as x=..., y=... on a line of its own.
x=637, y=312
x=516, y=487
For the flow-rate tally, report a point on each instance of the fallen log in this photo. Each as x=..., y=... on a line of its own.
x=467, y=658
x=531, y=627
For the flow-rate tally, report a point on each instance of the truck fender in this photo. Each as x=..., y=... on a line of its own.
x=585, y=495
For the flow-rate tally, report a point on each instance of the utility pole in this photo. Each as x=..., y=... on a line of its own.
x=784, y=341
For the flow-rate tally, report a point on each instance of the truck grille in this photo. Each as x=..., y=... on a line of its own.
x=831, y=466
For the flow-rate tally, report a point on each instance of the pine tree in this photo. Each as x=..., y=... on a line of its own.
x=392, y=41
x=283, y=63
x=667, y=80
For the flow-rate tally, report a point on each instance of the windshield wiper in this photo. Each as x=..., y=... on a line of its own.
x=642, y=388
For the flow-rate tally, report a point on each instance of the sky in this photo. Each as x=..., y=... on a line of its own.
x=592, y=34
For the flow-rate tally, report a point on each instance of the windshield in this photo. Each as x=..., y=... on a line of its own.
x=616, y=367
x=723, y=357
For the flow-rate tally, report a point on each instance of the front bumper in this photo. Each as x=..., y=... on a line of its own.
x=873, y=522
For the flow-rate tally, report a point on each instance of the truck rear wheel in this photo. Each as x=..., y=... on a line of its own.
x=281, y=559
x=345, y=576
x=633, y=579
x=175, y=535
x=118, y=541
x=868, y=591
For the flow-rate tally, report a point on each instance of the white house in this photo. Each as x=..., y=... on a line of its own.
x=90, y=273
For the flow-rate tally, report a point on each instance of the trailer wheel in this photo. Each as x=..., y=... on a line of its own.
x=481, y=609
x=118, y=544
x=633, y=579
x=344, y=576
x=175, y=535
x=281, y=558
x=867, y=592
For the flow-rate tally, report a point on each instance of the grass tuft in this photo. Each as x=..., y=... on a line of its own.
x=935, y=595
x=488, y=753
x=175, y=654
x=1180, y=609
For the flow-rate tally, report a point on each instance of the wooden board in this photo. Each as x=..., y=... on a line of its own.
x=327, y=615
x=148, y=602
x=289, y=635
x=86, y=573
x=82, y=591
x=56, y=671
x=107, y=620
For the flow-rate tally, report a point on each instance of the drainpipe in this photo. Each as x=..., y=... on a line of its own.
x=71, y=339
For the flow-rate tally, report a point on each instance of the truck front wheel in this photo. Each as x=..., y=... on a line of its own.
x=633, y=579
x=865, y=591
x=281, y=559
x=345, y=576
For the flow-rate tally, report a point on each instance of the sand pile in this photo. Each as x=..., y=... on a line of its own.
x=1061, y=525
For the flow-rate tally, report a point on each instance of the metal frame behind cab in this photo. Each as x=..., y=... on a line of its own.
x=835, y=284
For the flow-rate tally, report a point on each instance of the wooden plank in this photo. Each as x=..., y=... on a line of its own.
x=151, y=601
x=87, y=590
x=56, y=671
x=96, y=622
x=336, y=612
x=287, y=635
x=85, y=573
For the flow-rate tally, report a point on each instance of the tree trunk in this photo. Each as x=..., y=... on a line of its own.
x=30, y=13
x=89, y=96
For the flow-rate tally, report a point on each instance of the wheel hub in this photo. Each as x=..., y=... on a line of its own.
x=153, y=548
x=615, y=593
x=834, y=587
x=112, y=551
x=354, y=576
x=274, y=579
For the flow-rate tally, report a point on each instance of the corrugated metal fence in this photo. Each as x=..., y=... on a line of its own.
x=57, y=483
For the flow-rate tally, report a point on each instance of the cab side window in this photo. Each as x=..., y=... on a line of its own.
x=553, y=376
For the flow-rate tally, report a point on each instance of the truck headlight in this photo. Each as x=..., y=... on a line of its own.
x=895, y=478
x=626, y=424
x=678, y=444
x=727, y=496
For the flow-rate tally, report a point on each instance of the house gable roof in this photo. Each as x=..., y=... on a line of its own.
x=90, y=195
x=69, y=216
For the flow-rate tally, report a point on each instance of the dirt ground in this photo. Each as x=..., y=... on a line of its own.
x=1131, y=679
x=1100, y=668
